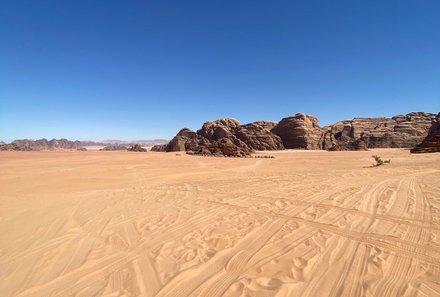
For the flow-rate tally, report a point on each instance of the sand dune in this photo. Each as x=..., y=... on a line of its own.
x=310, y=223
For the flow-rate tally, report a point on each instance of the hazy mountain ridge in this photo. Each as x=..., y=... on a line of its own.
x=145, y=142
x=41, y=145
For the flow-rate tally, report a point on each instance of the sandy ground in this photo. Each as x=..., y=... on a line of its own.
x=156, y=224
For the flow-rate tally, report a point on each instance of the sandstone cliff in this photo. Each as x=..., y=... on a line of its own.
x=402, y=131
x=431, y=144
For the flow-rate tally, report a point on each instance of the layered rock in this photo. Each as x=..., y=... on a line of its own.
x=299, y=132
x=431, y=143
x=219, y=129
x=257, y=136
x=213, y=139
x=402, y=131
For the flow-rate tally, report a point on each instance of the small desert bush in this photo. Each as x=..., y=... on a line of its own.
x=379, y=161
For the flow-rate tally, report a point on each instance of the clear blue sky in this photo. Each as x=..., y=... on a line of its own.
x=144, y=69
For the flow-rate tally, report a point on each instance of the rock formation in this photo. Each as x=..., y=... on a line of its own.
x=226, y=137
x=402, y=131
x=137, y=148
x=41, y=144
x=114, y=148
x=213, y=139
x=159, y=148
x=257, y=136
x=299, y=132
x=431, y=144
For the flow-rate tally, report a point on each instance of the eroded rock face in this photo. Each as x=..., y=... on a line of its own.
x=177, y=144
x=257, y=136
x=299, y=132
x=218, y=129
x=213, y=139
x=431, y=143
x=159, y=148
x=402, y=131
x=226, y=137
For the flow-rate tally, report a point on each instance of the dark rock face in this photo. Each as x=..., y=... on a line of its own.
x=431, y=144
x=178, y=143
x=159, y=148
x=213, y=139
x=226, y=137
x=402, y=131
x=299, y=132
x=41, y=144
x=218, y=129
x=137, y=148
x=257, y=136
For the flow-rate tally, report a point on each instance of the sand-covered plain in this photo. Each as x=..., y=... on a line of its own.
x=307, y=223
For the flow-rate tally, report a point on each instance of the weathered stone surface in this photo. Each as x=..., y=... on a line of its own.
x=257, y=136
x=402, y=131
x=213, y=139
x=226, y=137
x=431, y=143
x=299, y=132
x=177, y=144
x=218, y=129
x=159, y=148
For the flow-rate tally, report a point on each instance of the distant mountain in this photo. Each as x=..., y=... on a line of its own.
x=116, y=143
x=41, y=145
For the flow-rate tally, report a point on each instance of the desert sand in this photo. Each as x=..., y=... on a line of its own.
x=307, y=223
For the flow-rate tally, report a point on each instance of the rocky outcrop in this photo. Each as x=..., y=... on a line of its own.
x=114, y=148
x=137, y=148
x=299, y=132
x=213, y=139
x=431, y=143
x=226, y=137
x=219, y=129
x=41, y=145
x=178, y=143
x=14, y=147
x=402, y=131
x=159, y=148
x=258, y=136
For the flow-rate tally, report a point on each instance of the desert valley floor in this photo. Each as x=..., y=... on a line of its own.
x=307, y=223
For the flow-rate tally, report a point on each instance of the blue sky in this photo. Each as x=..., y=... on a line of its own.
x=144, y=69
